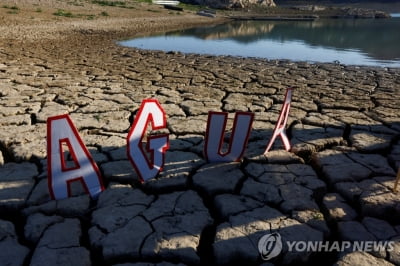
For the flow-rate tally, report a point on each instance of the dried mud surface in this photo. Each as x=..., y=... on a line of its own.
x=334, y=185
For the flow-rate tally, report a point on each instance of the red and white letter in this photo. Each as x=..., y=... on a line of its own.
x=280, y=127
x=62, y=137
x=216, y=125
x=150, y=112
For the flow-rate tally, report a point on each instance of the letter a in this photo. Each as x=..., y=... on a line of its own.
x=216, y=125
x=149, y=111
x=280, y=127
x=62, y=134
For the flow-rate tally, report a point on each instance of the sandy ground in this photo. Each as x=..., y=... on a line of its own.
x=41, y=20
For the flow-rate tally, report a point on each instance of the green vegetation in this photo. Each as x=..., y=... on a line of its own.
x=13, y=9
x=68, y=14
x=63, y=13
x=97, y=117
x=38, y=10
x=110, y=3
x=144, y=1
x=153, y=10
x=192, y=7
x=318, y=216
x=104, y=14
x=75, y=3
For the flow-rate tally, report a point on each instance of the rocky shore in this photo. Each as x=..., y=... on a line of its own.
x=334, y=185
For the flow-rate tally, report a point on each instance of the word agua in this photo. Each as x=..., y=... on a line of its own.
x=63, y=136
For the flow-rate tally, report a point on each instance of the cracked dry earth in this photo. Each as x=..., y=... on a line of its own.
x=334, y=185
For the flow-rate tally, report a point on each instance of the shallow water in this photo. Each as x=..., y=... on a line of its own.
x=372, y=42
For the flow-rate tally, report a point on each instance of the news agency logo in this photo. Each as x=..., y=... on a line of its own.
x=270, y=246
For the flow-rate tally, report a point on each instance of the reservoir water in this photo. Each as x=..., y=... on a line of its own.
x=373, y=42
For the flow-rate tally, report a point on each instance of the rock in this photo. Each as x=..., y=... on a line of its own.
x=217, y=178
x=1, y=159
x=381, y=229
x=360, y=258
x=351, y=12
x=354, y=231
x=337, y=208
x=37, y=223
x=16, y=182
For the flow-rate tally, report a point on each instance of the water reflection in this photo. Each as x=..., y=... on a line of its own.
x=360, y=41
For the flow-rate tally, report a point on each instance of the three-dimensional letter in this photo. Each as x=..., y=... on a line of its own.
x=62, y=137
x=150, y=111
x=280, y=127
x=214, y=140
